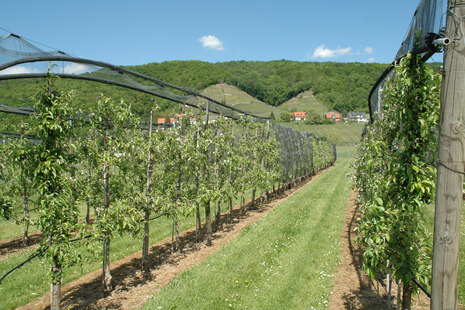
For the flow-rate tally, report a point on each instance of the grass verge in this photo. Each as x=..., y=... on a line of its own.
x=284, y=261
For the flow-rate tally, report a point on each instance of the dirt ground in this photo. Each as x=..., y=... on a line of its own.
x=352, y=289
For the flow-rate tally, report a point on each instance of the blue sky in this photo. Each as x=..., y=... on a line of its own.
x=142, y=31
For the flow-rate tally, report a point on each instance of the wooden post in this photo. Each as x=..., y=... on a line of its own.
x=450, y=166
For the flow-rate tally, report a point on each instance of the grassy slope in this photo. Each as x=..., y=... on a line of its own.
x=340, y=133
x=284, y=261
x=305, y=102
x=233, y=96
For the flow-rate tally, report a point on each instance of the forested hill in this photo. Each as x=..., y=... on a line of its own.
x=341, y=86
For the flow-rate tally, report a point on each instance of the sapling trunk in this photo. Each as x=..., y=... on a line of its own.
x=399, y=292
x=407, y=296
x=230, y=209
x=145, y=245
x=88, y=198
x=253, y=198
x=243, y=202
x=106, y=277
x=106, y=274
x=173, y=247
x=178, y=239
x=208, y=220
x=27, y=216
x=55, y=285
x=198, y=224
x=148, y=190
x=218, y=215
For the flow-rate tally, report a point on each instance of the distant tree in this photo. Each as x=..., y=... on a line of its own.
x=286, y=117
x=272, y=116
x=314, y=119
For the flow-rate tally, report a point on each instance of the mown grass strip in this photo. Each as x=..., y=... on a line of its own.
x=284, y=261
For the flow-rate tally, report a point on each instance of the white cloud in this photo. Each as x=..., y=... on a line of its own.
x=372, y=59
x=368, y=50
x=18, y=70
x=211, y=42
x=323, y=52
x=75, y=68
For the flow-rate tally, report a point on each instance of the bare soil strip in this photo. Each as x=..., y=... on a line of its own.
x=15, y=245
x=132, y=288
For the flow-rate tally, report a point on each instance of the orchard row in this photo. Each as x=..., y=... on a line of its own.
x=125, y=175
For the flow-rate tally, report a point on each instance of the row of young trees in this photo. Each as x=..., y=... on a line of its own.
x=124, y=175
x=395, y=177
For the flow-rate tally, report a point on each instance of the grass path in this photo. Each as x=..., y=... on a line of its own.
x=284, y=261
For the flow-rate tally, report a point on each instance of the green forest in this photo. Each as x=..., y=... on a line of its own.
x=341, y=86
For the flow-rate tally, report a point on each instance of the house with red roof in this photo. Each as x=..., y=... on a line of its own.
x=333, y=116
x=299, y=116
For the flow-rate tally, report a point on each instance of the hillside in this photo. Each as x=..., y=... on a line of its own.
x=266, y=87
x=305, y=101
x=341, y=86
x=233, y=96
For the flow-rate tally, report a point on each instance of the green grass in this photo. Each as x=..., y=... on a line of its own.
x=31, y=281
x=305, y=102
x=346, y=151
x=428, y=215
x=233, y=96
x=340, y=133
x=284, y=261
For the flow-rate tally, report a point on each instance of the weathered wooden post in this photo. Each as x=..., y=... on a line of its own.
x=450, y=165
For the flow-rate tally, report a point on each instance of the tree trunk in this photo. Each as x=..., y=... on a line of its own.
x=253, y=198
x=389, y=290
x=106, y=202
x=407, y=296
x=178, y=239
x=148, y=190
x=87, y=211
x=55, y=285
x=399, y=292
x=106, y=277
x=145, y=245
x=230, y=209
x=88, y=198
x=208, y=220
x=218, y=215
x=243, y=203
x=173, y=247
x=27, y=216
x=198, y=224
